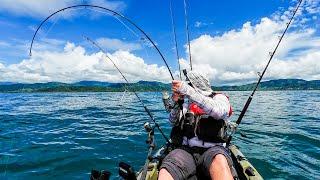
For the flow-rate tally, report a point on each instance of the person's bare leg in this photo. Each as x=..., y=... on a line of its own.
x=164, y=175
x=219, y=168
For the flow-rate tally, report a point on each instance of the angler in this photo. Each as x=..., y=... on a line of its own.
x=198, y=132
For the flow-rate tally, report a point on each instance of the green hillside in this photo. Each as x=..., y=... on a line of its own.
x=147, y=86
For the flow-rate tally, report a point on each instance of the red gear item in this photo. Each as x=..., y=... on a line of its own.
x=196, y=109
x=230, y=111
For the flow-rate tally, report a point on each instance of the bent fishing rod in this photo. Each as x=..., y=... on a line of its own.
x=175, y=37
x=114, y=14
x=187, y=30
x=246, y=106
x=135, y=93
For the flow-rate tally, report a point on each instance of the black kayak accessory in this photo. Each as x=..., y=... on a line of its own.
x=100, y=175
x=151, y=144
x=126, y=171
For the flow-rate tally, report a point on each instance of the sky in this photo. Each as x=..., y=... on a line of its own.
x=230, y=40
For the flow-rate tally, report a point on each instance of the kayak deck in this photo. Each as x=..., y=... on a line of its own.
x=243, y=167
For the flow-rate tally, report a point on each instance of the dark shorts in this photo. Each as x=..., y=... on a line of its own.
x=189, y=163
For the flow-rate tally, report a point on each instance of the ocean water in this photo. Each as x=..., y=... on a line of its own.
x=65, y=135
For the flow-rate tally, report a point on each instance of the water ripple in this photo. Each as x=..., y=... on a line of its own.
x=65, y=135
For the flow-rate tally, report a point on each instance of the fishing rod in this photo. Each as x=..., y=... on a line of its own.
x=175, y=38
x=245, y=108
x=135, y=93
x=114, y=13
x=187, y=31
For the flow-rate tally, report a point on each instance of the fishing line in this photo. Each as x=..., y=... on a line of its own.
x=122, y=97
x=187, y=31
x=114, y=13
x=135, y=93
x=245, y=108
x=140, y=39
x=142, y=42
x=175, y=37
x=51, y=27
x=6, y=161
x=126, y=26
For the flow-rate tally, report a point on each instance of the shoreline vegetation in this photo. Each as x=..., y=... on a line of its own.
x=149, y=86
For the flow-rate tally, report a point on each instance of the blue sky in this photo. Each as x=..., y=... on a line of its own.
x=221, y=24
x=215, y=17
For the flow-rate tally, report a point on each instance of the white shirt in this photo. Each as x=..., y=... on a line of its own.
x=218, y=107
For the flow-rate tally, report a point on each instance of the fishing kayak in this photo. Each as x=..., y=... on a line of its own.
x=244, y=168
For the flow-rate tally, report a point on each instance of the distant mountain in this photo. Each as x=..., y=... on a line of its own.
x=96, y=86
x=279, y=84
x=83, y=86
x=6, y=83
x=93, y=83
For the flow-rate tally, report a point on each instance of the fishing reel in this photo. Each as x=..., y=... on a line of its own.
x=150, y=131
x=166, y=101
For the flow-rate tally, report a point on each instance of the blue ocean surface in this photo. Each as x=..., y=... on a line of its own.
x=65, y=135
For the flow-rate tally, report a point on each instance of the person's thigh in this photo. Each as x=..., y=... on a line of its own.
x=211, y=153
x=180, y=164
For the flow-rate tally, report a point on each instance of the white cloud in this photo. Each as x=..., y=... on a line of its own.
x=17, y=47
x=43, y=8
x=233, y=57
x=74, y=64
x=312, y=6
x=199, y=24
x=236, y=56
x=4, y=44
x=117, y=44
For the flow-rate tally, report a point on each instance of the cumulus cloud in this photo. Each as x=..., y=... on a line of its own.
x=117, y=44
x=43, y=8
x=312, y=6
x=234, y=57
x=237, y=55
x=75, y=64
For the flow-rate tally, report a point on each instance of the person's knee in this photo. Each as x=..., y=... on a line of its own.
x=219, y=168
x=179, y=164
x=164, y=175
x=220, y=160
